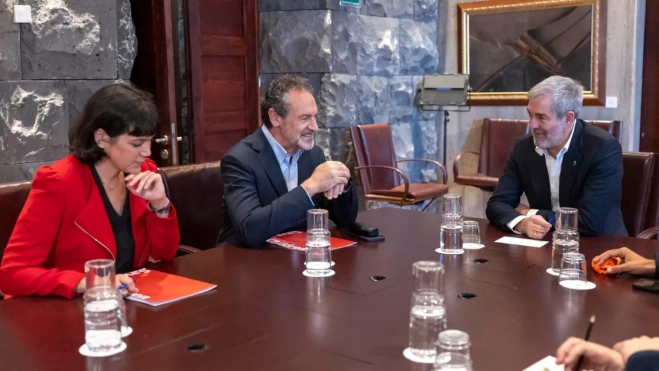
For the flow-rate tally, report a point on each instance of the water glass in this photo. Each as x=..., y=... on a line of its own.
x=451, y=209
x=428, y=276
x=567, y=218
x=573, y=270
x=319, y=256
x=453, y=351
x=427, y=320
x=99, y=273
x=317, y=219
x=563, y=241
x=102, y=322
x=471, y=237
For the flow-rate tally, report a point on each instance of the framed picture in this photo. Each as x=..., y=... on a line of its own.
x=508, y=46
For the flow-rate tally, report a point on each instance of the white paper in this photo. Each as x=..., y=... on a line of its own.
x=546, y=364
x=521, y=241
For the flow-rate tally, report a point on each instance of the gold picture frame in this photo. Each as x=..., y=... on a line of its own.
x=517, y=43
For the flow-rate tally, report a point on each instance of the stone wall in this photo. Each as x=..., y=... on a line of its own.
x=48, y=70
x=364, y=65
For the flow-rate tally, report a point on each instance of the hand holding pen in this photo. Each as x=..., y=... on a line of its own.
x=126, y=285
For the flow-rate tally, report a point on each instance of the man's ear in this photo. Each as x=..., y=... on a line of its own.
x=569, y=117
x=275, y=119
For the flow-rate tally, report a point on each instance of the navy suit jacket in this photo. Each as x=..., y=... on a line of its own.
x=257, y=205
x=591, y=181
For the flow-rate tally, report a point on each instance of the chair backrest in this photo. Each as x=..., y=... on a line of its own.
x=612, y=127
x=638, y=170
x=12, y=199
x=652, y=215
x=374, y=146
x=196, y=193
x=499, y=136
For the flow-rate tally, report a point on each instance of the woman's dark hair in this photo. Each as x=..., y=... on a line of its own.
x=117, y=109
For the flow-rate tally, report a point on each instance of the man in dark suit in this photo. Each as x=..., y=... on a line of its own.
x=272, y=177
x=564, y=162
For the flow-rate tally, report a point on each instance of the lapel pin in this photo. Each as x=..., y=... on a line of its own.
x=574, y=163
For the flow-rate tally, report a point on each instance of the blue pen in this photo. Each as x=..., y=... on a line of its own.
x=551, y=220
x=123, y=285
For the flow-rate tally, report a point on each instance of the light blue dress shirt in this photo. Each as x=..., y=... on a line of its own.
x=287, y=162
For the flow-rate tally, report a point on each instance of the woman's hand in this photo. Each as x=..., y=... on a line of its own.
x=119, y=280
x=122, y=279
x=148, y=186
x=628, y=347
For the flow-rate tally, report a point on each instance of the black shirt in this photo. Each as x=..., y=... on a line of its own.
x=121, y=227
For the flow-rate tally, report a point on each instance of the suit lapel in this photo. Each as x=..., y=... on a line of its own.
x=304, y=169
x=570, y=166
x=268, y=161
x=93, y=220
x=540, y=180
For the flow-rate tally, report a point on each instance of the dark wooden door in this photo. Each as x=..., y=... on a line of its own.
x=650, y=92
x=154, y=72
x=223, y=63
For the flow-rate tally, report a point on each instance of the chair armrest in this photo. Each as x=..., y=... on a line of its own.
x=188, y=249
x=402, y=174
x=648, y=233
x=440, y=166
x=456, y=162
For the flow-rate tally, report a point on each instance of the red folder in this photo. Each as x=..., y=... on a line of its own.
x=157, y=288
x=297, y=240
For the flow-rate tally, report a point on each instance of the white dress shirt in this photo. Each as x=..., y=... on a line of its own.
x=554, y=170
x=287, y=162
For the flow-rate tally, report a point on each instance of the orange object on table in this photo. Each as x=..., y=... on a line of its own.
x=601, y=269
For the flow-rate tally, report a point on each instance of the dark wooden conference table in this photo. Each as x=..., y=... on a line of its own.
x=265, y=315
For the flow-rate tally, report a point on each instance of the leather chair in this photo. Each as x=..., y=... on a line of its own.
x=497, y=140
x=612, y=127
x=636, y=188
x=196, y=191
x=12, y=199
x=652, y=214
x=378, y=168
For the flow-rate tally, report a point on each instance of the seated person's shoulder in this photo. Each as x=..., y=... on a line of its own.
x=596, y=137
x=65, y=170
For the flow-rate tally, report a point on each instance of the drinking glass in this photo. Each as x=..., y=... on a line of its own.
x=102, y=322
x=451, y=209
x=317, y=219
x=563, y=241
x=453, y=351
x=567, y=218
x=427, y=320
x=573, y=270
x=471, y=237
x=319, y=256
x=428, y=276
x=100, y=273
x=451, y=228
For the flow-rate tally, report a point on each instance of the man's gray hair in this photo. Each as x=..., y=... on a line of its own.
x=276, y=97
x=566, y=94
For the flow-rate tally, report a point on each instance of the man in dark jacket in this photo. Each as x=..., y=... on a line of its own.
x=564, y=162
x=274, y=176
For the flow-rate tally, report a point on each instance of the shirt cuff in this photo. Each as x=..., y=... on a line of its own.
x=514, y=222
x=532, y=212
x=310, y=200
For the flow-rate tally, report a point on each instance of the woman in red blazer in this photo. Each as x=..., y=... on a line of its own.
x=104, y=201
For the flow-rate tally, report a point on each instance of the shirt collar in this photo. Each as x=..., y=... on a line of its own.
x=543, y=152
x=280, y=152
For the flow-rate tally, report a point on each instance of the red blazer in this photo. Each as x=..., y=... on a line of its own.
x=64, y=224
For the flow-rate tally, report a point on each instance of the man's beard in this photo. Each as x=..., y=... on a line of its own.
x=299, y=140
x=548, y=141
